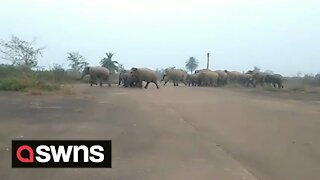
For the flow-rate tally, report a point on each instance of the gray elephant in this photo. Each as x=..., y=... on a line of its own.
x=233, y=76
x=97, y=75
x=243, y=79
x=193, y=79
x=223, y=77
x=258, y=77
x=123, y=76
x=208, y=78
x=275, y=79
x=174, y=75
x=144, y=74
x=127, y=80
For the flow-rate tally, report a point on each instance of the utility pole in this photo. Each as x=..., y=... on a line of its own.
x=208, y=60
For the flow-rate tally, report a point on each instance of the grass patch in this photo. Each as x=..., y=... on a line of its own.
x=26, y=82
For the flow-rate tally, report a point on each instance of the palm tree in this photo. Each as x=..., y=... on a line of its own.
x=107, y=62
x=192, y=64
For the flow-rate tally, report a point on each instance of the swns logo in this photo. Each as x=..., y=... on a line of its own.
x=61, y=154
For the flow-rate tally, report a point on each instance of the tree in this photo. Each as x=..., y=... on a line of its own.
x=256, y=69
x=299, y=74
x=76, y=61
x=20, y=52
x=58, y=72
x=107, y=62
x=192, y=64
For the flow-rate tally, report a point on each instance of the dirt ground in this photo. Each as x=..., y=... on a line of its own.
x=172, y=133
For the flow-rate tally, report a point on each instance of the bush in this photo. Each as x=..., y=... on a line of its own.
x=14, y=78
x=11, y=84
x=23, y=81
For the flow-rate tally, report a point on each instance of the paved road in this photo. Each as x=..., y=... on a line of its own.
x=171, y=133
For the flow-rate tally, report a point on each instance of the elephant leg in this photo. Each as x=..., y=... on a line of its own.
x=91, y=83
x=255, y=84
x=146, y=86
x=107, y=81
x=119, y=82
x=165, y=82
x=156, y=84
x=100, y=83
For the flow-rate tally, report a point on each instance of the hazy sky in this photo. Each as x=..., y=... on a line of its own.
x=280, y=35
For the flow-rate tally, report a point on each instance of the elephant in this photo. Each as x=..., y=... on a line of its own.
x=233, y=76
x=144, y=74
x=127, y=80
x=132, y=81
x=223, y=77
x=193, y=79
x=208, y=78
x=274, y=79
x=243, y=79
x=258, y=77
x=97, y=73
x=174, y=75
x=123, y=76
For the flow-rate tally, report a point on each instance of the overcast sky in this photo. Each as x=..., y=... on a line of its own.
x=280, y=35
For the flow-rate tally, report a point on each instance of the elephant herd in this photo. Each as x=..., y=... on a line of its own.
x=204, y=77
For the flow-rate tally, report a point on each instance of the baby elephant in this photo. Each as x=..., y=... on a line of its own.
x=144, y=74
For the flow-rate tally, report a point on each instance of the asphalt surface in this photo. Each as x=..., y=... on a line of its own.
x=170, y=133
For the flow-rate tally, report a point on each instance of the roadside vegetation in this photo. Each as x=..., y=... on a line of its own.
x=22, y=72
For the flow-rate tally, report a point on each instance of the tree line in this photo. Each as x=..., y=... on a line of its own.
x=25, y=55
